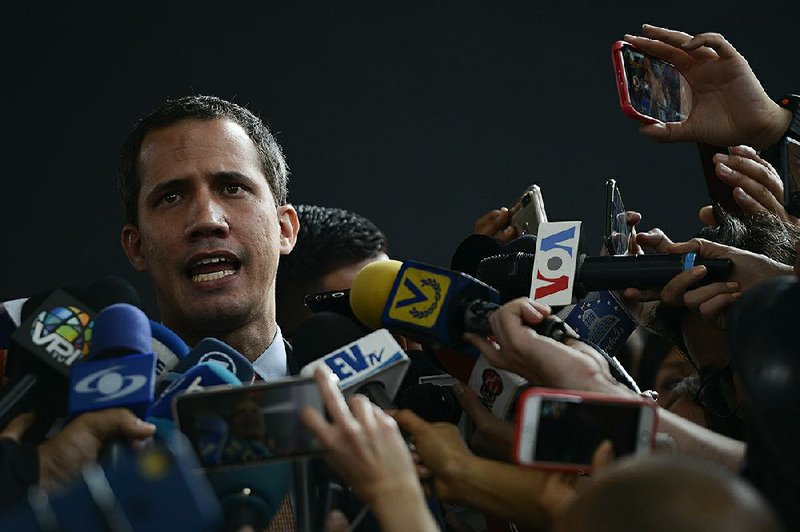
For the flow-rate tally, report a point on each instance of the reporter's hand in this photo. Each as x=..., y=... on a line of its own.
x=729, y=105
x=362, y=443
x=496, y=225
x=440, y=451
x=711, y=300
x=540, y=359
x=757, y=186
x=493, y=437
x=63, y=456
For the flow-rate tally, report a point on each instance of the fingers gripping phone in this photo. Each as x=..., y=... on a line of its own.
x=561, y=429
x=617, y=231
x=247, y=425
x=528, y=211
x=650, y=90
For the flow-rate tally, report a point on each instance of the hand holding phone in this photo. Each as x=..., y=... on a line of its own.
x=617, y=231
x=650, y=90
x=561, y=429
x=528, y=211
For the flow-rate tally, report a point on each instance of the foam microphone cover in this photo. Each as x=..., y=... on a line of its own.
x=322, y=333
x=522, y=244
x=472, y=250
x=508, y=273
x=109, y=290
x=120, y=329
x=370, y=291
x=432, y=403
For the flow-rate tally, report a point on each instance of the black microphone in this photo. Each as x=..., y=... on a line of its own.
x=56, y=332
x=511, y=274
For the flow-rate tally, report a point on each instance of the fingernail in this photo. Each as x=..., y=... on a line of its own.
x=720, y=158
x=736, y=295
x=458, y=389
x=724, y=170
x=336, y=519
x=733, y=284
x=698, y=270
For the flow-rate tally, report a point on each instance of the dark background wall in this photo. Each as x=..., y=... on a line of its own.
x=421, y=116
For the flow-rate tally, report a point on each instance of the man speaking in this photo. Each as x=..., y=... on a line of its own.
x=204, y=185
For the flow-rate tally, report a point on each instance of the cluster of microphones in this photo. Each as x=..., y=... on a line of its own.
x=71, y=351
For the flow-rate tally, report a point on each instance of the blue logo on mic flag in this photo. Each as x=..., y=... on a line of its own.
x=603, y=320
x=351, y=361
x=123, y=382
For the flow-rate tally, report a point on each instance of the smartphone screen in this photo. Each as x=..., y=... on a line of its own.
x=656, y=89
x=617, y=230
x=563, y=431
x=251, y=424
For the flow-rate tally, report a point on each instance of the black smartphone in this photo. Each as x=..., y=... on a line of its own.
x=246, y=425
x=617, y=231
x=790, y=159
x=337, y=301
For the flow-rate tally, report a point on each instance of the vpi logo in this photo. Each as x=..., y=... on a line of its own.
x=555, y=262
x=110, y=384
x=64, y=332
x=418, y=298
x=218, y=357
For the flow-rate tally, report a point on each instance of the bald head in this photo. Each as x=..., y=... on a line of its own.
x=668, y=493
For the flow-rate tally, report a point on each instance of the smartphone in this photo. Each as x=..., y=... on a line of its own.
x=561, y=429
x=790, y=159
x=528, y=211
x=617, y=234
x=650, y=90
x=247, y=425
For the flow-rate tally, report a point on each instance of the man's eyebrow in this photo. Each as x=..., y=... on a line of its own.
x=227, y=176
x=170, y=184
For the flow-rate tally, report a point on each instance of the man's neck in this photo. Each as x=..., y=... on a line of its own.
x=251, y=340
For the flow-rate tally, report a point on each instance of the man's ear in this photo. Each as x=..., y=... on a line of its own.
x=132, y=244
x=290, y=224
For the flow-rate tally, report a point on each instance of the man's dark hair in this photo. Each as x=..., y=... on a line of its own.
x=198, y=108
x=328, y=239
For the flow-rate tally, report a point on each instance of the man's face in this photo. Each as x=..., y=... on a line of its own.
x=209, y=232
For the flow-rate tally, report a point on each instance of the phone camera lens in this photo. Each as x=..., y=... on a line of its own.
x=526, y=199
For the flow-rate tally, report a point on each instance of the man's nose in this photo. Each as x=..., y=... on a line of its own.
x=207, y=218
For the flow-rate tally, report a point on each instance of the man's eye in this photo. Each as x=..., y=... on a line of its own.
x=170, y=197
x=233, y=189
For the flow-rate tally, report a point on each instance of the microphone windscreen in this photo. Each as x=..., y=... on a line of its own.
x=322, y=333
x=370, y=291
x=120, y=329
x=523, y=244
x=218, y=352
x=508, y=273
x=109, y=290
x=472, y=250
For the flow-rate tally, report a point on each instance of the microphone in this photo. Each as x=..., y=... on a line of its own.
x=195, y=379
x=497, y=388
x=556, y=270
x=472, y=250
x=155, y=489
x=429, y=303
x=55, y=331
x=215, y=351
x=168, y=347
x=120, y=372
x=373, y=365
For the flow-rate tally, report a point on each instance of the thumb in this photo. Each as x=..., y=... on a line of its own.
x=471, y=403
x=336, y=522
x=701, y=246
x=118, y=422
x=603, y=456
x=706, y=215
x=410, y=422
x=17, y=427
x=669, y=132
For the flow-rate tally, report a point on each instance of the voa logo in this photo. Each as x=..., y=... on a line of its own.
x=555, y=262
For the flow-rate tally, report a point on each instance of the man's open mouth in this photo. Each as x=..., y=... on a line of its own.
x=212, y=267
